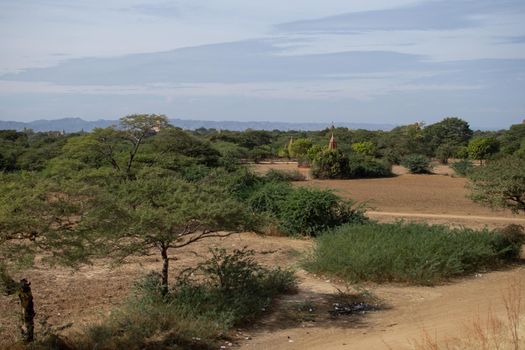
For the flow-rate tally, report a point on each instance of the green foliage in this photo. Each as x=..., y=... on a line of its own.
x=260, y=153
x=299, y=148
x=361, y=167
x=417, y=164
x=453, y=132
x=513, y=139
x=482, y=147
x=330, y=164
x=411, y=253
x=270, y=197
x=444, y=152
x=500, y=183
x=365, y=148
x=232, y=287
x=226, y=290
x=311, y=211
x=462, y=167
x=284, y=175
x=173, y=145
x=333, y=164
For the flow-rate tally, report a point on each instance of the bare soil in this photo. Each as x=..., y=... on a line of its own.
x=439, y=198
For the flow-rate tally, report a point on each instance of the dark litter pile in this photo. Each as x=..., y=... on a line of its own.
x=351, y=309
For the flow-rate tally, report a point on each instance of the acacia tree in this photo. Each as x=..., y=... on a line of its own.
x=114, y=147
x=481, y=148
x=162, y=214
x=500, y=183
x=38, y=216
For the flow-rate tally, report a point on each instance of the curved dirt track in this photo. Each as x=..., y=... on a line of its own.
x=444, y=312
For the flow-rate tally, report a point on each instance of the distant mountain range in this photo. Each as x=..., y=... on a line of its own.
x=78, y=124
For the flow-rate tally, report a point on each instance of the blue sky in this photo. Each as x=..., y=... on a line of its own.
x=374, y=61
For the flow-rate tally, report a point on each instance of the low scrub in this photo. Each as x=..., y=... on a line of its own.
x=462, y=167
x=206, y=302
x=284, y=175
x=411, y=253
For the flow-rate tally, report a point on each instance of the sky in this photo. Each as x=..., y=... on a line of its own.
x=374, y=61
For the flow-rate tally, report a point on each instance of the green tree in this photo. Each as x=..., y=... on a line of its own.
x=365, y=148
x=499, y=183
x=512, y=139
x=136, y=128
x=445, y=151
x=38, y=215
x=163, y=214
x=299, y=148
x=451, y=131
x=482, y=147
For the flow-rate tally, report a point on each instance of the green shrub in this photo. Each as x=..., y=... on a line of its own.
x=366, y=167
x=412, y=253
x=417, y=164
x=311, y=211
x=270, y=197
x=462, y=167
x=330, y=164
x=333, y=164
x=283, y=175
x=206, y=302
x=231, y=288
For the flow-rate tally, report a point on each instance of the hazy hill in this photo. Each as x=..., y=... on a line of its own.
x=77, y=124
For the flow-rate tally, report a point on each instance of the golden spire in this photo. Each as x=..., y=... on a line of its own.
x=332, y=144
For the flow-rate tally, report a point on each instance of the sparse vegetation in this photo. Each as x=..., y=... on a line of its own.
x=462, y=167
x=408, y=252
x=206, y=302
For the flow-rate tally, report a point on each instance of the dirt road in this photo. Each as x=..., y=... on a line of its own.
x=442, y=311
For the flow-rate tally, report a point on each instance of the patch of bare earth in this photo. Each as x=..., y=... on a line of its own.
x=438, y=198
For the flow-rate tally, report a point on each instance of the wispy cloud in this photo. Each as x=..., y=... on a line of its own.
x=429, y=15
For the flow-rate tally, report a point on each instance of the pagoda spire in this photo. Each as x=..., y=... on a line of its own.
x=332, y=144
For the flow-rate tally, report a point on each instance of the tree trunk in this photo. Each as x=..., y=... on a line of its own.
x=165, y=267
x=28, y=311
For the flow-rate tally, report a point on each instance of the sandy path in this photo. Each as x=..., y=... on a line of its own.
x=441, y=311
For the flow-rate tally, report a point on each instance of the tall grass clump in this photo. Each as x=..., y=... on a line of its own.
x=408, y=252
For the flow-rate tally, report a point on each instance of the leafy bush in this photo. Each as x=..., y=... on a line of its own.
x=367, y=167
x=333, y=164
x=207, y=301
x=330, y=164
x=462, y=167
x=232, y=288
x=416, y=164
x=311, y=211
x=365, y=148
x=482, y=147
x=270, y=197
x=283, y=175
x=412, y=253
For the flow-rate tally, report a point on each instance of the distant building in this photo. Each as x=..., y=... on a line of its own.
x=332, y=144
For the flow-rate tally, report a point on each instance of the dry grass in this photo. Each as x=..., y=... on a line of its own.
x=489, y=332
